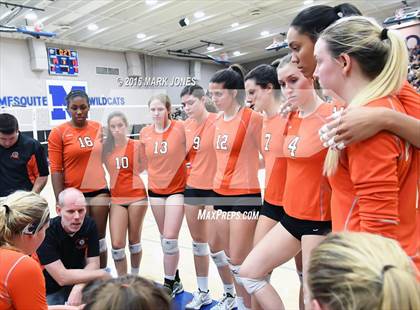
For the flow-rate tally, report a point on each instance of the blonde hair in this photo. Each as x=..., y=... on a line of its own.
x=126, y=292
x=381, y=54
x=362, y=271
x=18, y=212
x=165, y=100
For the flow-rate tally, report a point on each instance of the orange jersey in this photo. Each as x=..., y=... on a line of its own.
x=307, y=193
x=200, y=152
x=77, y=153
x=22, y=284
x=165, y=154
x=272, y=140
x=124, y=165
x=374, y=188
x=410, y=100
x=237, y=143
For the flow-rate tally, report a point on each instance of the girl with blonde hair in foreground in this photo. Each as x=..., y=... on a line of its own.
x=361, y=271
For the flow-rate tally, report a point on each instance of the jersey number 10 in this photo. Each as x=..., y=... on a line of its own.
x=122, y=162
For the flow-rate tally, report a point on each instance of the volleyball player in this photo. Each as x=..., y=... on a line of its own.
x=164, y=145
x=373, y=181
x=361, y=271
x=75, y=154
x=24, y=218
x=263, y=92
x=237, y=140
x=124, y=162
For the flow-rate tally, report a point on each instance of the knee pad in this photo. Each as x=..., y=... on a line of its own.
x=170, y=246
x=135, y=248
x=102, y=245
x=235, y=272
x=253, y=285
x=200, y=249
x=118, y=254
x=220, y=258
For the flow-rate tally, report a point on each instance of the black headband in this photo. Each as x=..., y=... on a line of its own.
x=33, y=228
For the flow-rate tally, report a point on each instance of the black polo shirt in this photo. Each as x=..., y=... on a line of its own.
x=18, y=161
x=71, y=250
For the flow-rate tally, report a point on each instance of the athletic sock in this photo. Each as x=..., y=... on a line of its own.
x=203, y=283
x=229, y=288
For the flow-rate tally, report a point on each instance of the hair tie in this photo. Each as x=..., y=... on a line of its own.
x=385, y=269
x=340, y=14
x=7, y=208
x=384, y=34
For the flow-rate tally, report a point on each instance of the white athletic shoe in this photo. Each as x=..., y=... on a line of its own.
x=227, y=302
x=200, y=299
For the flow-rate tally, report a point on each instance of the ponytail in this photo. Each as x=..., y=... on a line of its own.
x=232, y=78
x=381, y=54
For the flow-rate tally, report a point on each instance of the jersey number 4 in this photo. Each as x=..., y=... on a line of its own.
x=122, y=162
x=293, y=146
x=162, y=148
x=85, y=142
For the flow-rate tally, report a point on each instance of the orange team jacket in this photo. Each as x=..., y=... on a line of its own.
x=124, y=165
x=374, y=187
x=22, y=284
x=165, y=154
x=77, y=153
x=237, y=144
x=271, y=148
x=307, y=193
x=200, y=152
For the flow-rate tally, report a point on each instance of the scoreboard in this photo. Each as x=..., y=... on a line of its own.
x=63, y=61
